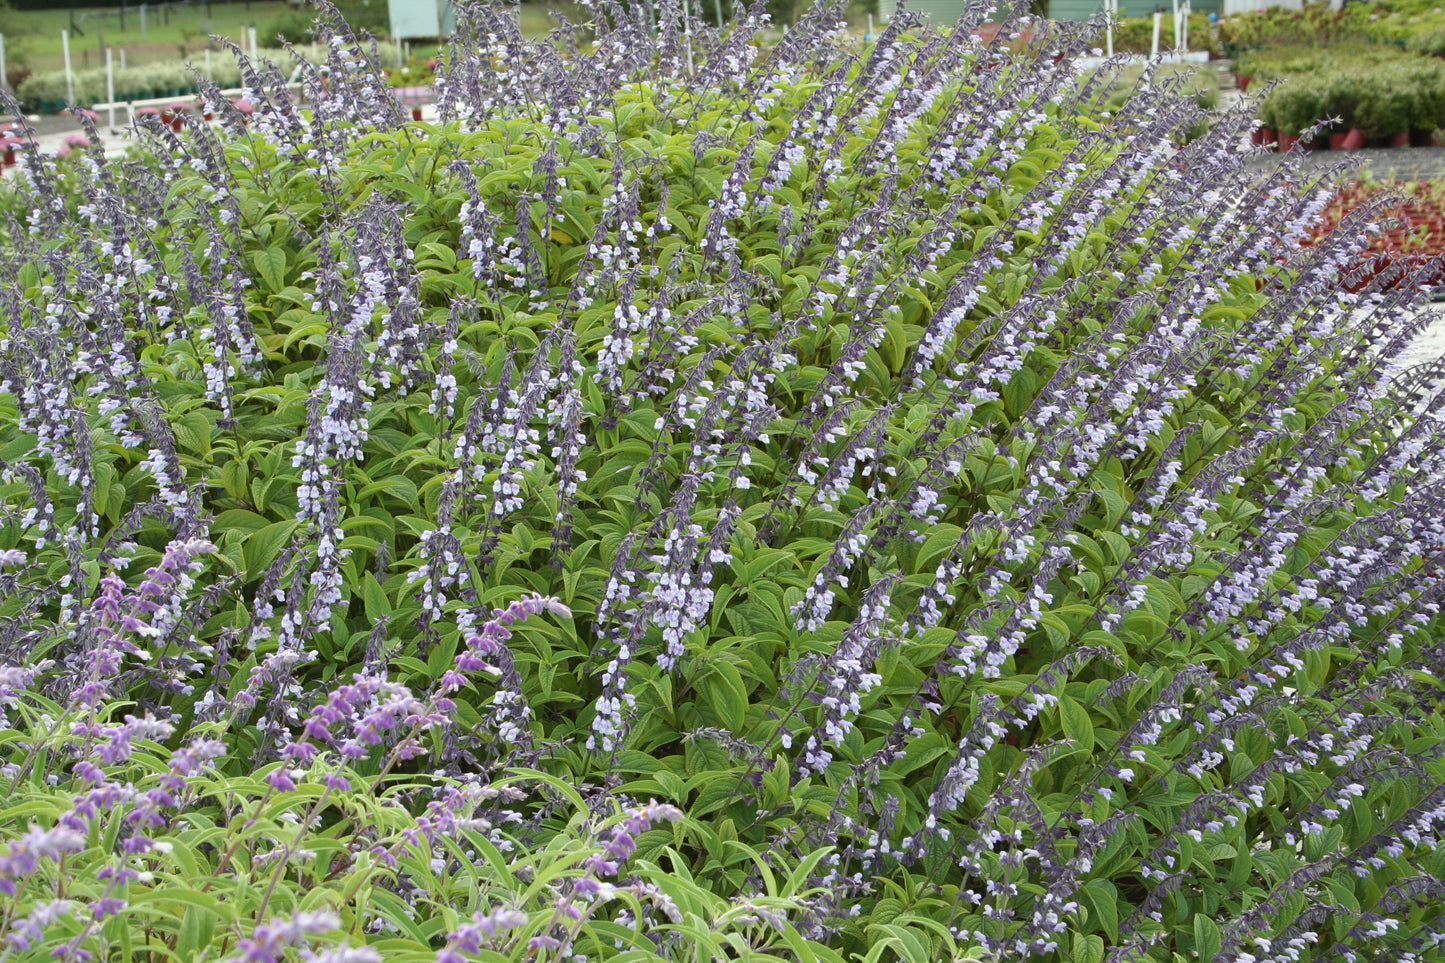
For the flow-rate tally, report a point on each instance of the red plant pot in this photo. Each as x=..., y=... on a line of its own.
x=1337, y=139
x=1256, y=136
x=1269, y=138
x=416, y=113
x=1317, y=142
x=1242, y=82
x=1402, y=139
x=1287, y=142
x=1354, y=139
x=9, y=156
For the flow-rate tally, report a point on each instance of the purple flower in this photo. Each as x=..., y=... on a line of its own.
x=24, y=854
x=485, y=926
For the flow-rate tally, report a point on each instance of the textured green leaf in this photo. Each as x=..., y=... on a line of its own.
x=271, y=266
x=1077, y=727
x=263, y=546
x=1207, y=940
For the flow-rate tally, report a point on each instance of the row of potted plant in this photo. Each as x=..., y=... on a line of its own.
x=47, y=92
x=1357, y=104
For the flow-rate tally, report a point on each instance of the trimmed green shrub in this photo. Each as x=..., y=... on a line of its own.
x=1297, y=104
x=1429, y=43
x=1384, y=99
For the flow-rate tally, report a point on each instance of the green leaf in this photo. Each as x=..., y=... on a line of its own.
x=271, y=265
x=235, y=478
x=1206, y=938
x=1104, y=902
x=261, y=549
x=398, y=485
x=374, y=596
x=726, y=694
x=193, y=432
x=1077, y=726
x=1088, y=949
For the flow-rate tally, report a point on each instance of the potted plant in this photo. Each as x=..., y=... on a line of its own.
x=1385, y=108
x=1427, y=80
x=1298, y=106
x=44, y=92
x=1266, y=131
x=1341, y=95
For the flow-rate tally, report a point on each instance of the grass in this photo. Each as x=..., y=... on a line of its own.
x=1203, y=79
x=32, y=37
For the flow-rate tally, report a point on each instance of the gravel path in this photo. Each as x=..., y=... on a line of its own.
x=1398, y=164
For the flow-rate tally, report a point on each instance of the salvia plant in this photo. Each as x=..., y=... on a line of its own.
x=712, y=497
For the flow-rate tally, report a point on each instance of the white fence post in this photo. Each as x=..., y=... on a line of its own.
x=687, y=32
x=110, y=84
x=1154, y=47
x=69, y=79
x=3, y=75
x=142, y=23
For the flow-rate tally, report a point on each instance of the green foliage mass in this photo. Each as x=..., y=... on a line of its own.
x=1032, y=443
x=1379, y=97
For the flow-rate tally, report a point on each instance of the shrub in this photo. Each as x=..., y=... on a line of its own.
x=1426, y=82
x=1284, y=61
x=294, y=26
x=1298, y=104
x=43, y=87
x=1391, y=24
x=1384, y=108
x=1429, y=43
x=298, y=26
x=982, y=528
